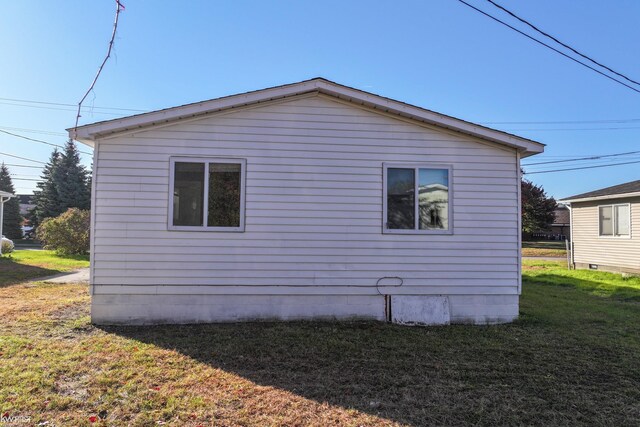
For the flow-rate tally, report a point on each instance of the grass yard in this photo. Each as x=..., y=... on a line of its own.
x=23, y=265
x=572, y=358
x=544, y=248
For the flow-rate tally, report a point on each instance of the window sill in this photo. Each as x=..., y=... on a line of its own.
x=208, y=229
x=626, y=236
x=422, y=232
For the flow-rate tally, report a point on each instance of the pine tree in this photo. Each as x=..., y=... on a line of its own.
x=71, y=180
x=46, y=198
x=537, y=208
x=11, y=219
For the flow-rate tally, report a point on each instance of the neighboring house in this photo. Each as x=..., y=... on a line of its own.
x=604, y=227
x=560, y=228
x=299, y=202
x=26, y=203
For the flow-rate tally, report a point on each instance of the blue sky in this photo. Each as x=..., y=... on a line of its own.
x=437, y=54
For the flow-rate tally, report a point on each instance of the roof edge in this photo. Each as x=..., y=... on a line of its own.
x=87, y=134
x=604, y=197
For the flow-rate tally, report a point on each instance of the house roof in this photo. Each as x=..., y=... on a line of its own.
x=90, y=132
x=5, y=194
x=617, y=191
x=561, y=216
x=25, y=199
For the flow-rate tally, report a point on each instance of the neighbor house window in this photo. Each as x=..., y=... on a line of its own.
x=207, y=194
x=614, y=220
x=417, y=199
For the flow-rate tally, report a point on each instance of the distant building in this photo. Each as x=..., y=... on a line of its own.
x=26, y=203
x=560, y=229
x=604, y=228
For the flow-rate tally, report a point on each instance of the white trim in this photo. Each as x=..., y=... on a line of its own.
x=519, y=186
x=610, y=196
x=206, y=161
x=614, y=222
x=89, y=133
x=92, y=224
x=416, y=167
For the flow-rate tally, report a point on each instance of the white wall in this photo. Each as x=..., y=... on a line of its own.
x=591, y=248
x=313, y=208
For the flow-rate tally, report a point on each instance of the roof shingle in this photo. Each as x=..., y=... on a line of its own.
x=628, y=187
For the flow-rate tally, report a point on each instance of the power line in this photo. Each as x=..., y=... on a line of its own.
x=25, y=179
x=548, y=46
x=60, y=108
x=570, y=129
x=563, y=44
x=39, y=140
x=584, y=158
x=561, y=122
x=106, y=58
x=44, y=132
x=583, y=167
x=22, y=166
x=22, y=158
x=70, y=105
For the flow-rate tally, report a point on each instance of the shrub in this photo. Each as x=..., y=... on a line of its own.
x=7, y=246
x=67, y=234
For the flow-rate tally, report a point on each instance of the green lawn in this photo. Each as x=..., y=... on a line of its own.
x=23, y=265
x=573, y=358
x=544, y=248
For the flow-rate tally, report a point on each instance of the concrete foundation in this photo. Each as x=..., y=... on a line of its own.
x=413, y=309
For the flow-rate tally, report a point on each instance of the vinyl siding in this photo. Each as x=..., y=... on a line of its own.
x=590, y=248
x=313, y=207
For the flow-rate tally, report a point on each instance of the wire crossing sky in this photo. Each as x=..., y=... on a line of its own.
x=441, y=55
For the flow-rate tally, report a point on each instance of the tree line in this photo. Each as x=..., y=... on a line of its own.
x=64, y=183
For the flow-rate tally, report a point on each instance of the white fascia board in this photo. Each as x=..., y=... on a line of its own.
x=88, y=133
x=5, y=194
x=608, y=197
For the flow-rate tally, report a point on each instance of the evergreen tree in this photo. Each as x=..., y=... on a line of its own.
x=537, y=208
x=12, y=219
x=46, y=198
x=71, y=180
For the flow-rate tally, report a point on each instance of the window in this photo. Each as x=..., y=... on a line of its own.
x=416, y=199
x=207, y=194
x=614, y=220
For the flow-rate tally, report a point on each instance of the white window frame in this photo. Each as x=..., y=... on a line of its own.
x=614, y=222
x=205, y=202
x=416, y=167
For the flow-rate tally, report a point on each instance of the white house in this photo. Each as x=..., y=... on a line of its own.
x=299, y=202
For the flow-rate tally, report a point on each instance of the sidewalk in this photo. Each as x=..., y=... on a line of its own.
x=79, y=276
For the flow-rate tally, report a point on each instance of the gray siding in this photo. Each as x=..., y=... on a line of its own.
x=313, y=208
x=591, y=248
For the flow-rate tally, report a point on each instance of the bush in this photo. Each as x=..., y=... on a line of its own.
x=7, y=246
x=67, y=234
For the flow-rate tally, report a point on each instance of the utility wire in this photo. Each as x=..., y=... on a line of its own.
x=584, y=158
x=22, y=166
x=524, y=21
x=583, y=167
x=571, y=129
x=22, y=158
x=28, y=130
x=561, y=122
x=95, y=79
x=548, y=46
x=61, y=109
x=69, y=105
x=25, y=179
x=39, y=140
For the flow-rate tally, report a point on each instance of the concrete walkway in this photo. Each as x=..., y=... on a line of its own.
x=79, y=276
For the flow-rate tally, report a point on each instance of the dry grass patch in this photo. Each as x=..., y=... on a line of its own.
x=572, y=358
